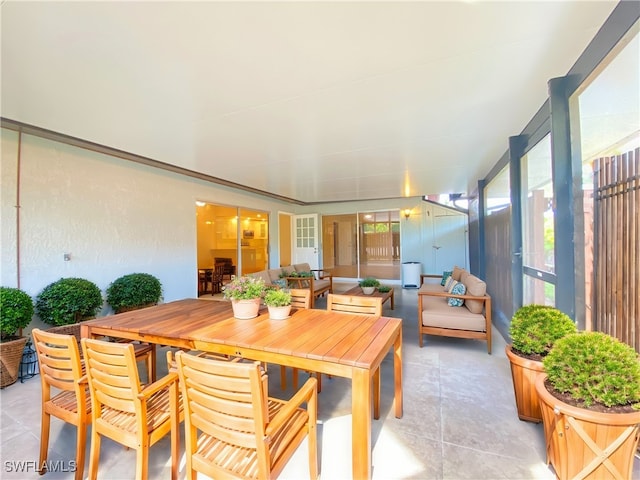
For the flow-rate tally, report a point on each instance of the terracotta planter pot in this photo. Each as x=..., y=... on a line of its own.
x=10, y=357
x=524, y=373
x=279, y=313
x=585, y=444
x=245, y=309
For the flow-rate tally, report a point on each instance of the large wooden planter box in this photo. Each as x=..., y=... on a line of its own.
x=524, y=373
x=586, y=444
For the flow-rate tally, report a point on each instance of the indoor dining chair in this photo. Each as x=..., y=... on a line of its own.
x=125, y=411
x=233, y=429
x=64, y=391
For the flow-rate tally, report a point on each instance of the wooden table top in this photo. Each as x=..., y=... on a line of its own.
x=316, y=335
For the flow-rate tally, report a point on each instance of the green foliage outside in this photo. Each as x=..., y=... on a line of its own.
x=134, y=290
x=535, y=328
x=68, y=300
x=16, y=311
x=594, y=367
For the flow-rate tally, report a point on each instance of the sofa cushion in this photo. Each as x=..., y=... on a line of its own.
x=263, y=274
x=302, y=267
x=274, y=275
x=286, y=271
x=478, y=288
x=457, y=271
x=431, y=287
x=458, y=289
x=437, y=313
x=463, y=276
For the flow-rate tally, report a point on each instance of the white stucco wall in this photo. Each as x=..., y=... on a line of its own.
x=116, y=217
x=112, y=216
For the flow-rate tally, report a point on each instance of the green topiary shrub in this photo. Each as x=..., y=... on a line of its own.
x=594, y=367
x=133, y=291
x=68, y=300
x=535, y=328
x=16, y=311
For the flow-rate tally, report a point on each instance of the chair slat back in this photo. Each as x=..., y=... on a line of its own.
x=300, y=297
x=224, y=399
x=59, y=359
x=113, y=374
x=354, y=304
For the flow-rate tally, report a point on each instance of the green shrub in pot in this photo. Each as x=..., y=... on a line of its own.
x=16, y=311
x=594, y=367
x=369, y=282
x=277, y=298
x=535, y=328
x=134, y=290
x=68, y=300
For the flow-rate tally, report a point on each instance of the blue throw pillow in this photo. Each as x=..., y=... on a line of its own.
x=445, y=275
x=458, y=289
x=281, y=282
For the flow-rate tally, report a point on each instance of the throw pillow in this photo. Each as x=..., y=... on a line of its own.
x=445, y=275
x=458, y=289
x=449, y=283
x=281, y=282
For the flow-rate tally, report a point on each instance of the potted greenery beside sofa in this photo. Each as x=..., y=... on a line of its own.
x=533, y=330
x=134, y=291
x=66, y=302
x=590, y=403
x=16, y=311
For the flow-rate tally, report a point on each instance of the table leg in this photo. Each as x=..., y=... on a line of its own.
x=361, y=423
x=392, y=299
x=397, y=374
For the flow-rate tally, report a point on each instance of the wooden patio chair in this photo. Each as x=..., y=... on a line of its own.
x=123, y=410
x=300, y=298
x=243, y=432
x=61, y=369
x=354, y=304
x=360, y=305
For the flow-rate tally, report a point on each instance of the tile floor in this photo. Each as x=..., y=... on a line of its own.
x=459, y=420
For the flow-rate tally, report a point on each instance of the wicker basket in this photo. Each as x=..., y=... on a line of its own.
x=10, y=357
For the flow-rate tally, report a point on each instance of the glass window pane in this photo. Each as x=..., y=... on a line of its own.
x=537, y=208
x=498, y=192
x=538, y=292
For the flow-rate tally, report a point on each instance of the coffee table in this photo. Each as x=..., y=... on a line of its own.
x=357, y=291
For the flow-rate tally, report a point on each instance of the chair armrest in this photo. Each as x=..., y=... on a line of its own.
x=322, y=273
x=306, y=394
x=158, y=385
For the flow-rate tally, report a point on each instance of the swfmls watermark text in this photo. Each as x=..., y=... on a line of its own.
x=26, y=466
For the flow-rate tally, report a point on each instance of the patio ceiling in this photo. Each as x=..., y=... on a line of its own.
x=311, y=101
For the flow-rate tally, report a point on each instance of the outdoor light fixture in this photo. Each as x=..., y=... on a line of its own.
x=407, y=213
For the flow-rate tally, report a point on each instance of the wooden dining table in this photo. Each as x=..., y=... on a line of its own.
x=351, y=346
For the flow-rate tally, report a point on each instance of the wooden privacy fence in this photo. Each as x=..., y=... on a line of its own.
x=617, y=243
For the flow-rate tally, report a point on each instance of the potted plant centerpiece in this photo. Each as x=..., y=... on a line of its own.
x=279, y=303
x=66, y=302
x=369, y=285
x=245, y=294
x=533, y=330
x=134, y=291
x=16, y=311
x=590, y=403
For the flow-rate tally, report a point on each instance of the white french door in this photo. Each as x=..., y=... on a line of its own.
x=305, y=240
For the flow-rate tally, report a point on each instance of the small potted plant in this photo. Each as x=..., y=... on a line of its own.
x=68, y=301
x=16, y=311
x=245, y=293
x=279, y=303
x=369, y=285
x=590, y=403
x=533, y=329
x=134, y=291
